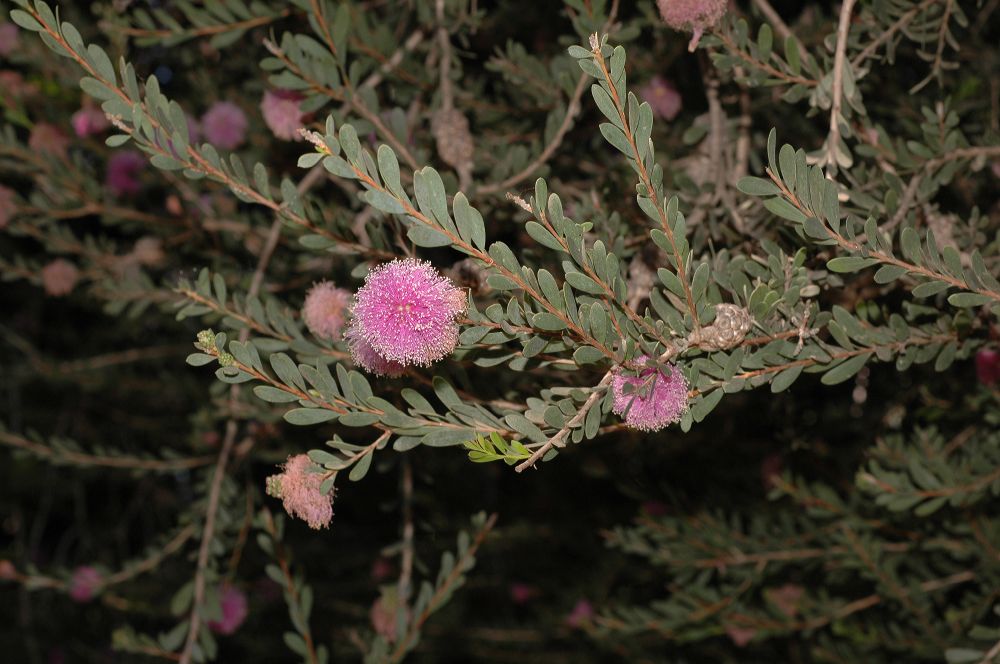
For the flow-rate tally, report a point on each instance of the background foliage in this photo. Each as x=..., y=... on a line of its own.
x=829, y=496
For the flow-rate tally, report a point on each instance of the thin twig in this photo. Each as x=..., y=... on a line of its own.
x=557, y=439
x=839, y=56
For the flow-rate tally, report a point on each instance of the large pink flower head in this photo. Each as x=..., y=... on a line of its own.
x=233, y=602
x=662, y=97
x=325, y=310
x=298, y=487
x=282, y=114
x=123, y=170
x=651, y=400
x=7, y=205
x=84, y=584
x=224, y=125
x=406, y=310
x=692, y=16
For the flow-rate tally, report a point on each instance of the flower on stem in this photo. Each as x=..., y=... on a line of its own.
x=653, y=399
x=233, y=602
x=369, y=359
x=298, y=486
x=406, y=312
x=84, y=584
x=325, y=310
x=694, y=16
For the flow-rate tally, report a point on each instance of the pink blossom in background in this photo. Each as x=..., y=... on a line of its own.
x=7, y=570
x=582, y=613
x=692, y=16
x=88, y=121
x=369, y=359
x=123, y=169
x=656, y=399
x=662, y=97
x=59, y=277
x=282, y=114
x=786, y=598
x=13, y=86
x=49, y=139
x=988, y=366
x=522, y=593
x=406, y=310
x=148, y=250
x=194, y=129
x=741, y=636
x=325, y=310
x=381, y=569
x=234, y=610
x=84, y=584
x=7, y=206
x=383, y=614
x=9, y=39
x=299, y=489
x=224, y=125
x=654, y=508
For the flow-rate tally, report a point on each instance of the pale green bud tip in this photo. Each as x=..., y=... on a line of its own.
x=206, y=339
x=226, y=360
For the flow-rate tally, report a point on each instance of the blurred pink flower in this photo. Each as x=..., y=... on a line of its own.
x=325, y=310
x=12, y=85
x=522, y=593
x=48, y=138
x=88, y=121
x=381, y=569
x=662, y=97
x=299, y=489
x=59, y=277
x=741, y=636
x=123, y=169
x=406, y=310
x=84, y=584
x=383, y=613
x=786, y=598
x=692, y=16
x=194, y=129
x=7, y=206
x=582, y=613
x=7, y=570
x=234, y=610
x=988, y=366
x=282, y=114
x=9, y=39
x=225, y=125
x=653, y=399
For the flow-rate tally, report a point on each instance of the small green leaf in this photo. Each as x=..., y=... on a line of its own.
x=307, y=416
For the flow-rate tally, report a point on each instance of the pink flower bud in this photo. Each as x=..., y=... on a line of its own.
x=662, y=97
x=225, y=125
x=988, y=366
x=299, y=489
x=582, y=613
x=282, y=114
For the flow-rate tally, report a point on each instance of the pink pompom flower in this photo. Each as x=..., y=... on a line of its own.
x=7, y=205
x=694, y=16
x=325, y=310
x=89, y=121
x=84, y=584
x=299, y=489
x=282, y=114
x=369, y=359
x=662, y=97
x=988, y=367
x=406, y=310
x=59, y=277
x=233, y=602
x=651, y=400
x=224, y=125
x=123, y=169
